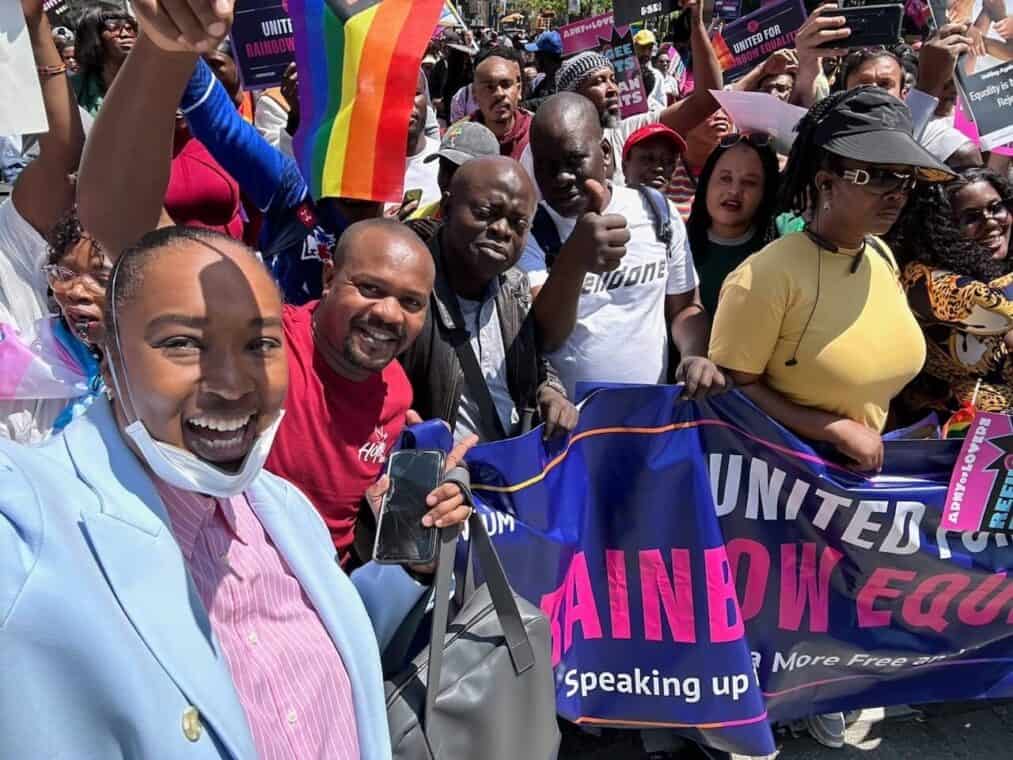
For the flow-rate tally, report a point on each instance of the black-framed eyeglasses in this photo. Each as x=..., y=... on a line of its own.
x=756, y=139
x=117, y=25
x=975, y=217
x=879, y=180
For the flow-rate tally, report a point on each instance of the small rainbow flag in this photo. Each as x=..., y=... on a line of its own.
x=958, y=423
x=358, y=66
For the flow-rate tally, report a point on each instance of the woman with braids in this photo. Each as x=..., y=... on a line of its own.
x=954, y=243
x=815, y=328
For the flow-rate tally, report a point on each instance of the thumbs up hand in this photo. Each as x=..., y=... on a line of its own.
x=598, y=242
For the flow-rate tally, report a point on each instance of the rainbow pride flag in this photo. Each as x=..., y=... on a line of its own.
x=358, y=66
x=960, y=421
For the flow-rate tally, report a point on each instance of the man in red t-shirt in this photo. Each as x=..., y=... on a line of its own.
x=347, y=396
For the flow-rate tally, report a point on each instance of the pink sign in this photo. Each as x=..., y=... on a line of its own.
x=963, y=122
x=981, y=487
x=616, y=44
x=583, y=35
x=619, y=50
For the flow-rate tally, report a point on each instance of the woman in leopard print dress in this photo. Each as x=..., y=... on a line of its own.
x=953, y=242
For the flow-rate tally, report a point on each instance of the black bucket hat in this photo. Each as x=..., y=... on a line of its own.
x=869, y=124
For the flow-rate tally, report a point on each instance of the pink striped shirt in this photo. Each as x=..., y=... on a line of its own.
x=289, y=676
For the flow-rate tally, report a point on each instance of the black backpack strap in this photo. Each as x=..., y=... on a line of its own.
x=544, y=231
x=661, y=213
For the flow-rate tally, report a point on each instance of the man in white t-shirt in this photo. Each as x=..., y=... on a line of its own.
x=645, y=45
x=41, y=195
x=607, y=301
x=420, y=185
x=591, y=74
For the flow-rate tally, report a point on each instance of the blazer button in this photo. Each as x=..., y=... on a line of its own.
x=192, y=728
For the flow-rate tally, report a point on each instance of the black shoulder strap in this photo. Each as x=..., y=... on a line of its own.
x=445, y=299
x=475, y=380
x=544, y=231
x=660, y=213
x=882, y=251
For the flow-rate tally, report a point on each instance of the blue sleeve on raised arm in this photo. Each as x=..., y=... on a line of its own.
x=269, y=178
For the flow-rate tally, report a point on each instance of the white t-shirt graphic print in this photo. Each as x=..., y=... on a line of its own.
x=621, y=335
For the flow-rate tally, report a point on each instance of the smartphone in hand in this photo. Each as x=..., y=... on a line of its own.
x=870, y=25
x=412, y=196
x=400, y=536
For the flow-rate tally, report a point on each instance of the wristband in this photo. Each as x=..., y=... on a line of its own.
x=51, y=71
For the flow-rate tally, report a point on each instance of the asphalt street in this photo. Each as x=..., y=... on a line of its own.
x=971, y=731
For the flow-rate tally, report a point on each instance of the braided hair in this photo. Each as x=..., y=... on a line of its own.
x=798, y=183
x=928, y=231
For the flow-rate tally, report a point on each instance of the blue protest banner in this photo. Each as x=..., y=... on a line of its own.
x=262, y=41
x=746, y=41
x=704, y=569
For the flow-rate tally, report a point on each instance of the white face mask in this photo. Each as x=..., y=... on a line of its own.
x=183, y=470
x=176, y=466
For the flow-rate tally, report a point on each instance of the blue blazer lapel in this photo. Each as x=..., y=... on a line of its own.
x=313, y=563
x=146, y=571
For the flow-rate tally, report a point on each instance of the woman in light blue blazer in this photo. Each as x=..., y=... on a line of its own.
x=106, y=650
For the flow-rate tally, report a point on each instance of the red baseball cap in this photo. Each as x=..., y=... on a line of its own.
x=654, y=130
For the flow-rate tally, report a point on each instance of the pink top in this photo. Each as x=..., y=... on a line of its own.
x=289, y=676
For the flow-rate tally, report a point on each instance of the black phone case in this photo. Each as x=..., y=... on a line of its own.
x=411, y=533
x=870, y=25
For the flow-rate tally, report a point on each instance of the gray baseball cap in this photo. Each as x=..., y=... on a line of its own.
x=466, y=140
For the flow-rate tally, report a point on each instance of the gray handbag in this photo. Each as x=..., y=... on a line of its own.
x=488, y=691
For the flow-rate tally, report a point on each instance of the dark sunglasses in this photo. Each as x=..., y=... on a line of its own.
x=119, y=24
x=880, y=180
x=756, y=139
x=975, y=217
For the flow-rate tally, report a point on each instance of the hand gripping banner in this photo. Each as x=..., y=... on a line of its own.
x=706, y=570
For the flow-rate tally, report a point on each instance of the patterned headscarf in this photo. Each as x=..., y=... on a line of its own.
x=574, y=72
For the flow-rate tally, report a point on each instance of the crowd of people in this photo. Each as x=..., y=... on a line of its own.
x=245, y=356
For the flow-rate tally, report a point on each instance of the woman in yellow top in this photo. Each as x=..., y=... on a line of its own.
x=815, y=328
